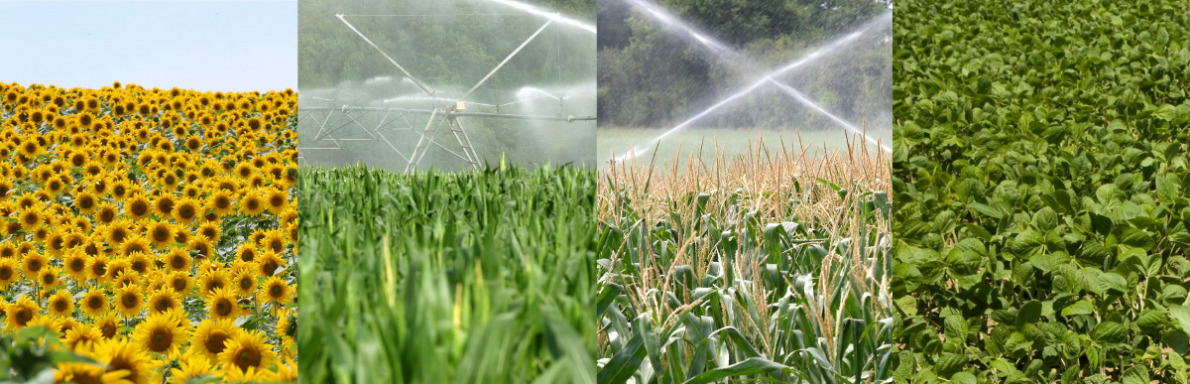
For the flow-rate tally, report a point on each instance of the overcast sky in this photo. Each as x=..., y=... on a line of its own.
x=203, y=45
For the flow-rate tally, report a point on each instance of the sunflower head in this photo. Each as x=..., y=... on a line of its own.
x=162, y=332
x=138, y=207
x=94, y=303
x=223, y=304
x=187, y=210
x=129, y=300
x=9, y=273
x=247, y=354
x=210, y=337
x=277, y=291
x=61, y=303
x=163, y=300
x=18, y=314
x=160, y=234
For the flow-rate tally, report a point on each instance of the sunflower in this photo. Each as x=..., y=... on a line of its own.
x=186, y=211
x=61, y=303
x=164, y=205
x=108, y=325
x=54, y=186
x=116, y=233
x=8, y=273
x=273, y=240
x=106, y=213
x=163, y=300
x=268, y=263
x=80, y=334
x=162, y=332
x=75, y=264
x=141, y=263
x=193, y=143
x=7, y=250
x=181, y=235
x=120, y=190
x=247, y=357
x=244, y=281
x=125, y=278
x=97, y=267
x=160, y=234
x=129, y=301
x=277, y=200
x=20, y=313
x=287, y=325
x=12, y=227
x=277, y=291
x=30, y=219
x=203, y=246
x=246, y=252
x=49, y=279
x=135, y=244
x=250, y=203
x=121, y=354
x=210, y=231
x=210, y=336
x=188, y=370
x=54, y=243
x=244, y=170
x=178, y=259
x=180, y=282
x=87, y=373
x=212, y=280
x=138, y=207
x=94, y=303
x=222, y=304
x=33, y=262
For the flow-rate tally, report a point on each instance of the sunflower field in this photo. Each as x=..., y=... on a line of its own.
x=147, y=235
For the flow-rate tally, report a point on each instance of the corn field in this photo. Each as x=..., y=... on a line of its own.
x=477, y=277
x=768, y=266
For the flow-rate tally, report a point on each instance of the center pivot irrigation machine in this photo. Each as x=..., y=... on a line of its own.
x=335, y=122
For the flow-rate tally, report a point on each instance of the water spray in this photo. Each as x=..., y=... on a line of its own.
x=769, y=78
x=552, y=16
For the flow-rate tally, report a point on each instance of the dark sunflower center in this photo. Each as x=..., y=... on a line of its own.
x=248, y=357
x=215, y=341
x=223, y=308
x=139, y=208
x=161, y=340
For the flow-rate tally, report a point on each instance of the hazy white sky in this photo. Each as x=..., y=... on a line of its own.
x=203, y=45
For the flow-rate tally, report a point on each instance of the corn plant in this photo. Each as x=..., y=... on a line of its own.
x=768, y=266
x=480, y=277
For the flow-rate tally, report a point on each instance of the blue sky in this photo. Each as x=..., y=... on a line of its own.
x=204, y=45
